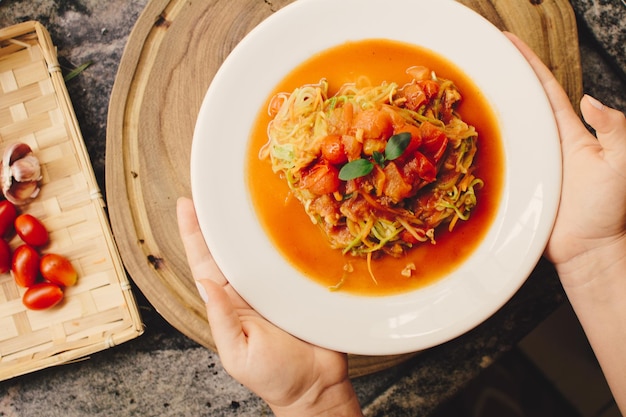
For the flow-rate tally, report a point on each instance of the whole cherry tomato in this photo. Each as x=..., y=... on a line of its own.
x=58, y=270
x=5, y=257
x=25, y=265
x=31, y=230
x=41, y=296
x=8, y=213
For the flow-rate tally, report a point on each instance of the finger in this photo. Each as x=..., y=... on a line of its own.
x=568, y=122
x=609, y=124
x=226, y=326
x=200, y=261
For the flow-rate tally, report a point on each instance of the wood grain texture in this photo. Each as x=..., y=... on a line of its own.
x=172, y=54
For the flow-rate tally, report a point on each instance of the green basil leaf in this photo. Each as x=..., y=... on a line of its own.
x=379, y=158
x=355, y=169
x=396, y=145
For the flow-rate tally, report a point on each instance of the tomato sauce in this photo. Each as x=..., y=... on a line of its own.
x=305, y=246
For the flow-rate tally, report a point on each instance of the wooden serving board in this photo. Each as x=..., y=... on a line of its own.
x=172, y=54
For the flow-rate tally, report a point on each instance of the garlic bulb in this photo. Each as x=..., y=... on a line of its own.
x=20, y=173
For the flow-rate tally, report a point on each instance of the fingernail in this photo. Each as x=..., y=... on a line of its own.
x=202, y=292
x=595, y=102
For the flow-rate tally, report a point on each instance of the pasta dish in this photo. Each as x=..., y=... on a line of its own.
x=377, y=167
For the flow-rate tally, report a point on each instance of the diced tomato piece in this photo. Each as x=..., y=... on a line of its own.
x=396, y=118
x=407, y=237
x=371, y=145
x=376, y=124
x=328, y=207
x=352, y=147
x=414, y=95
x=321, y=179
x=333, y=150
x=414, y=144
x=378, y=180
x=395, y=187
x=340, y=119
x=430, y=88
x=449, y=99
x=347, y=116
x=419, y=168
x=434, y=141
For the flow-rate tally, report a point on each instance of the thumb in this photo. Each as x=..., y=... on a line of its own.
x=609, y=124
x=226, y=326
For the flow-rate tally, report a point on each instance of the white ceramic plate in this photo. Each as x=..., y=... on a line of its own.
x=392, y=324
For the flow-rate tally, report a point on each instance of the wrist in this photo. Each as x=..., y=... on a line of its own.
x=595, y=272
x=338, y=400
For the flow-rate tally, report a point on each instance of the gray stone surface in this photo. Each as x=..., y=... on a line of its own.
x=605, y=20
x=163, y=373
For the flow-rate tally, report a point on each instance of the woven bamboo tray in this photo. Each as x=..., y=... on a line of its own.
x=100, y=311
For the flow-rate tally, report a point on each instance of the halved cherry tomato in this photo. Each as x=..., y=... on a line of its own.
x=333, y=151
x=25, y=265
x=58, y=270
x=5, y=257
x=8, y=213
x=31, y=230
x=41, y=296
x=321, y=179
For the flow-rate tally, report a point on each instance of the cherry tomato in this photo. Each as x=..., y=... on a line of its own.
x=333, y=151
x=25, y=265
x=5, y=257
x=31, y=230
x=41, y=296
x=58, y=270
x=8, y=213
x=321, y=179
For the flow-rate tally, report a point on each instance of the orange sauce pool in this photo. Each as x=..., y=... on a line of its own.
x=304, y=245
